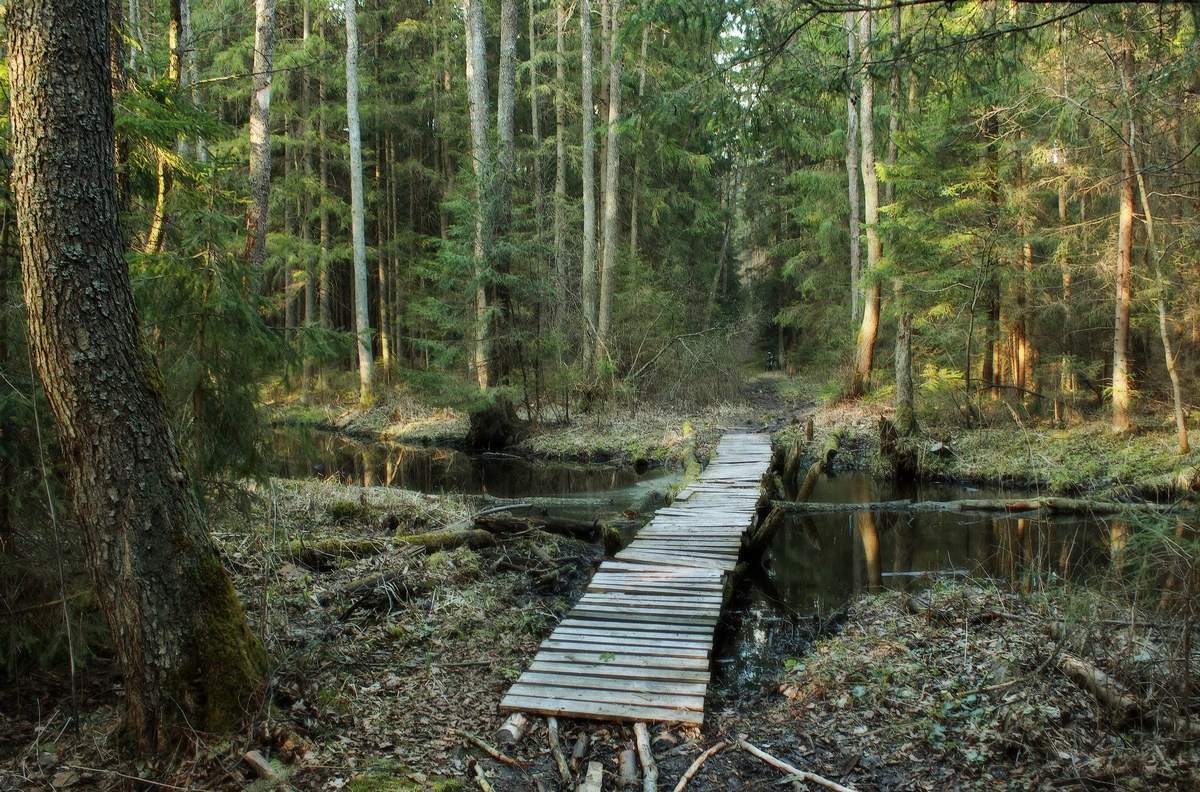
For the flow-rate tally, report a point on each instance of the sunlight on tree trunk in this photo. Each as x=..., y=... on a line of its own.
x=477, y=99
x=611, y=199
x=1121, y=397
x=362, y=319
x=869, y=329
x=260, y=138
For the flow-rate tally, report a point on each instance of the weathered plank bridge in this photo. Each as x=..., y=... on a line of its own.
x=637, y=645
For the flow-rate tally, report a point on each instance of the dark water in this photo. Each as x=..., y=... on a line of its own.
x=817, y=563
x=306, y=454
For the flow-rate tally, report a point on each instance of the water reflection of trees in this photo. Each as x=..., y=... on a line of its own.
x=818, y=561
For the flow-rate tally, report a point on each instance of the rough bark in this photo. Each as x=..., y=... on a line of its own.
x=611, y=199
x=260, y=136
x=1121, y=395
x=852, y=154
x=477, y=100
x=178, y=631
x=869, y=329
x=587, y=290
x=905, y=399
x=362, y=319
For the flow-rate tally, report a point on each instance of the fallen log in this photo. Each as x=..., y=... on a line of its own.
x=323, y=553
x=646, y=755
x=594, y=780
x=503, y=522
x=987, y=505
x=627, y=773
x=1106, y=690
x=795, y=772
x=564, y=771
x=434, y=541
x=513, y=729
x=695, y=766
x=496, y=754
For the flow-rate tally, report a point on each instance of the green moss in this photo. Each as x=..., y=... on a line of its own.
x=349, y=511
x=387, y=776
x=228, y=663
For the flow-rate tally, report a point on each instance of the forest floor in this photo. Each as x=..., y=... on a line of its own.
x=384, y=661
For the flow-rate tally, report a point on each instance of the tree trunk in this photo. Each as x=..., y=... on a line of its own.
x=1121, y=396
x=381, y=245
x=260, y=137
x=635, y=192
x=560, y=164
x=362, y=320
x=905, y=399
x=587, y=289
x=611, y=199
x=1160, y=280
x=869, y=329
x=311, y=265
x=325, y=301
x=852, y=154
x=179, y=634
x=477, y=99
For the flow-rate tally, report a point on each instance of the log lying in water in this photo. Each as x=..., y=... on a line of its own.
x=988, y=505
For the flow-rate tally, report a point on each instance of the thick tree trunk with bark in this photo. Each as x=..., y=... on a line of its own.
x=179, y=634
x=477, y=100
x=611, y=199
x=362, y=319
x=587, y=290
x=1121, y=395
x=852, y=165
x=260, y=136
x=868, y=331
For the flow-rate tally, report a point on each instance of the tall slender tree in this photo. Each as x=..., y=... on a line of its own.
x=611, y=198
x=560, y=162
x=477, y=100
x=587, y=290
x=852, y=154
x=869, y=329
x=179, y=634
x=1121, y=392
x=260, y=136
x=362, y=318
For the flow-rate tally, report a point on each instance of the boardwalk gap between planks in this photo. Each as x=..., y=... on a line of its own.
x=638, y=644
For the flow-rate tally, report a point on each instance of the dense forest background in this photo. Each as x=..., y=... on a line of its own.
x=966, y=210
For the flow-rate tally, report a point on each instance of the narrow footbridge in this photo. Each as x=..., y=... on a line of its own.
x=637, y=645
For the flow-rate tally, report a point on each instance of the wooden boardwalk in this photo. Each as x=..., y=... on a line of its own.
x=637, y=644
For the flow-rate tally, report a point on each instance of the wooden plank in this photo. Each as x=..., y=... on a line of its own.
x=617, y=624
x=614, y=658
x=616, y=683
x=663, y=558
x=565, y=644
x=672, y=618
x=609, y=670
x=622, y=712
x=635, y=697
x=628, y=637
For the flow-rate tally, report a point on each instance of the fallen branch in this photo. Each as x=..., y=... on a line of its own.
x=489, y=750
x=987, y=505
x=1107, y=690
x=481, y=779
x=646, y=755
x=795, y=772
x=503, y=523
x=556, y=749
x=695, y=766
